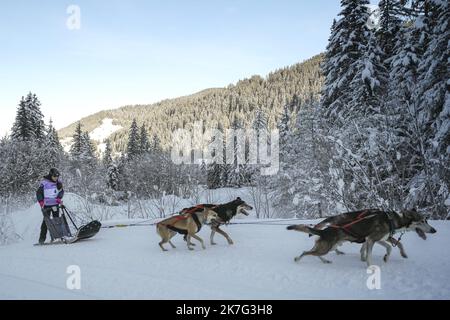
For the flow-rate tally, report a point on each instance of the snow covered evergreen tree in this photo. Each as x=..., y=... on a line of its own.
x=284, y=128
x=237, y=170
x=87, y=155
x=155, y=145
x=107, y=156
x=430, y=187
x=77, y=142
x=113, y=176
x=52, y=147
x=144, y=144
x=390, y=25
x=29, y=124
x=345, y=50
x=303, y=183
x=133, y=148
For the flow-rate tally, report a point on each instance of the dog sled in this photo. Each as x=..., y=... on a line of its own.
x=60, y=232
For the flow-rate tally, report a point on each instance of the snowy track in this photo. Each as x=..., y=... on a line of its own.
x=126, y=263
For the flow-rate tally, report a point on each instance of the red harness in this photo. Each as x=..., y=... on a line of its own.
x=184, y=214
x=197, y=208
x=191, y=210
x=347, y=226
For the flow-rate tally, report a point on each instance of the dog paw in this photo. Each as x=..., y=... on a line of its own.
x=405, y=256
x=213, y=243
x=297, y=259
x=386, y=258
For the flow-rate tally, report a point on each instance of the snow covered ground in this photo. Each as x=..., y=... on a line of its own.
x=127, y=263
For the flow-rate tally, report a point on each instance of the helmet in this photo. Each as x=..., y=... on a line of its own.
x=53, y=172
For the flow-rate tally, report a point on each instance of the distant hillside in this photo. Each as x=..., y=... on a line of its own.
x=221, y=105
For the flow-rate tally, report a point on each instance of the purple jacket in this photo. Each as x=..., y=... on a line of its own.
x=49, y=193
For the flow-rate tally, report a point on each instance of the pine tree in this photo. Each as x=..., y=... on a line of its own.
x=144, y=144
x=284, y=128
x=107, y=156
x=22, y=130
x=37, y=118
x=133, y=148
x=367, y=85
x=431, y=108
x=54, y=151
x=260, y=127
x=237, y=170
x=77, y=142
x=155, y=146
x=304, y=189
x=346, y=48
x=87, y=155
x=390, y=24
x=29, y=124
x=113, y=176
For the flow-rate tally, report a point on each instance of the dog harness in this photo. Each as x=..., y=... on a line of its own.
x=182, y=217
x=391, y=224
x=198, y=208
x=347, y=227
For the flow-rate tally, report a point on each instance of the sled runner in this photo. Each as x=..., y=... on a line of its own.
x=60, y=231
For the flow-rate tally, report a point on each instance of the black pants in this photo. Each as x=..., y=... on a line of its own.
x=47, y=211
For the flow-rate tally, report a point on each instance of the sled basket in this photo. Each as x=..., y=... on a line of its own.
x=84, y=232
x=89, y=230
x=58, y=227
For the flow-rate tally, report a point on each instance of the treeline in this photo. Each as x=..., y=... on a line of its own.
x=380, y=136
x=144, y=171
x=235, y=103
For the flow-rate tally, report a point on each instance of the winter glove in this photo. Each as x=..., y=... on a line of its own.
x=59, y=201
x=41, y=204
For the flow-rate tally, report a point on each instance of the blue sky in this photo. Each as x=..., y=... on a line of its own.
x=136, y=51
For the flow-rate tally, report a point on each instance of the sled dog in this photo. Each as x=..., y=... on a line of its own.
x=225, y=212
x=348, y=217
x=368, y=229
x=188, y=224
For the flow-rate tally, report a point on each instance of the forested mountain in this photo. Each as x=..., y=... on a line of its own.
x=224, y=105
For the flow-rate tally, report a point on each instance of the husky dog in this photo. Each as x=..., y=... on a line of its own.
x=370, y=229
x=188, y=224
x=225, y=213
x=349, y=217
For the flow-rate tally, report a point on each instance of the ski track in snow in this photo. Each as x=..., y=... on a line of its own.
x=127, y=263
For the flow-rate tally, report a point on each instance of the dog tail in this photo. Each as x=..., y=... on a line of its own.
x=323, y=223
x=305, y=229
